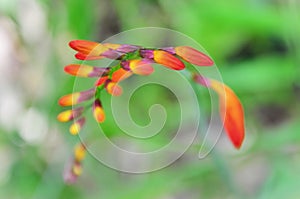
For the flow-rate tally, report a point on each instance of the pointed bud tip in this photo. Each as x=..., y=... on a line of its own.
x=64, y=116
x=65, y=100
x=72, y=69
x=83, y=45
x=73, y=43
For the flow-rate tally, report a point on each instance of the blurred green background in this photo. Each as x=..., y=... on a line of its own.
x=255, y=44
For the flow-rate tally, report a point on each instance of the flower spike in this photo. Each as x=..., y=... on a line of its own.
x=136, y=60
x=231, y=110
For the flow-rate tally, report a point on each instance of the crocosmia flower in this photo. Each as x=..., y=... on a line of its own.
x=135, y=60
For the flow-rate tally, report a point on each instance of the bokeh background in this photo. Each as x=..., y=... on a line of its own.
x=255, y=44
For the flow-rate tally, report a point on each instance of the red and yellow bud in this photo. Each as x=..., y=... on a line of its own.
x=232, y=112
x=88, y=47
x=98, y=111
x=231, y=109
x=78, y=70
x=113, y=88
x=76, y=98
x=168, y=60
x=77, y=126
x=69, y=100
x=193, y=56
x=84, y=70
x=120, y=75
x=79, y=152
x=77, y=169
x=141, y=66
x=88, y=50
x=69, y=115
x=65, y=116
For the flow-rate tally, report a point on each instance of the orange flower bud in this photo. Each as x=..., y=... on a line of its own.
x=193, y=56
x=168, y=60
